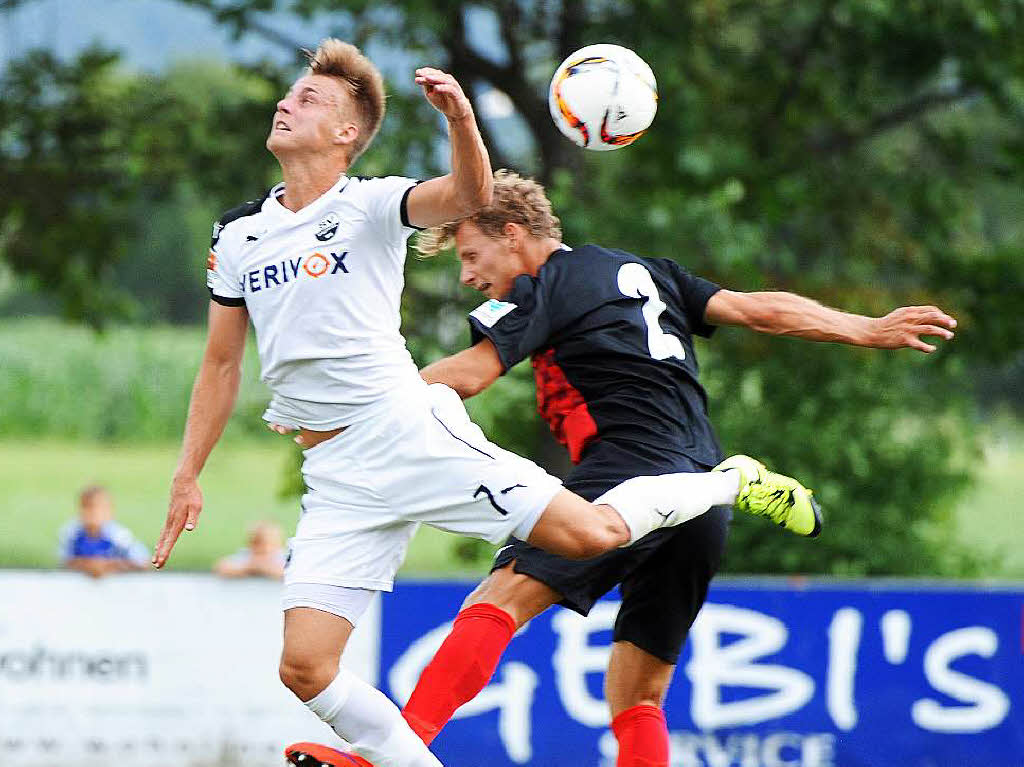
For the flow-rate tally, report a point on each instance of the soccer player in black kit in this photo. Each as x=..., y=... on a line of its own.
x=609, y=335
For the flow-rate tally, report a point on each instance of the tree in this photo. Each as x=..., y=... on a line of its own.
x=862, y=153
x=102, y=164
x=67, y=176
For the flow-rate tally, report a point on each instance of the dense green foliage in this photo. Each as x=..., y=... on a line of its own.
x=883, y=455
x=104, y=166
x=866, y=154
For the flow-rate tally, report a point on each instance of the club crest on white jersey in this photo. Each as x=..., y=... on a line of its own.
x=328, y=227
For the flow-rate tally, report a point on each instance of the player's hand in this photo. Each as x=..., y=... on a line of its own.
x=444, y=93
x=903, y=328
x=278, y=428
x=182, y=514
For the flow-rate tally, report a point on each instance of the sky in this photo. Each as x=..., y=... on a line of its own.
x=150, y=33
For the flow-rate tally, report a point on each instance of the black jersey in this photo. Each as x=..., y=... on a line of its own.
x=610, y=336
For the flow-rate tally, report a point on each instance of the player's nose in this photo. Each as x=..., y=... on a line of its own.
x=466, y=277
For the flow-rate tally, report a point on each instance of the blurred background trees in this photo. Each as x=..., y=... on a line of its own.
x=868, y=154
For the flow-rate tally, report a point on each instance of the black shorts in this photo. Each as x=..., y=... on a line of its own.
x=664, y=577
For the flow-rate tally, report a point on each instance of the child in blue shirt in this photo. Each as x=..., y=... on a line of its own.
x=96, y=545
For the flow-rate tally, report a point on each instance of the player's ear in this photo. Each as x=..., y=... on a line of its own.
x=345, y=133
x=512, y=233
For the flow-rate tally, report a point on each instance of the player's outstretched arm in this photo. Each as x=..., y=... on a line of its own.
x=469, y=372
x=789, y=314
x=213, y=397
x=468, y=187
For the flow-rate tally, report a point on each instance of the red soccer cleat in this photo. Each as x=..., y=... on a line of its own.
x=316, y=755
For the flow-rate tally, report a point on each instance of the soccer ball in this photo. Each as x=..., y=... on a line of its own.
x=603, y=97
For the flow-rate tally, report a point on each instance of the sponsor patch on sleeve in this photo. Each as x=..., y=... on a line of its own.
x=489, y=312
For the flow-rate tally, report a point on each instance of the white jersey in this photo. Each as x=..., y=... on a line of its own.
x=323, y=287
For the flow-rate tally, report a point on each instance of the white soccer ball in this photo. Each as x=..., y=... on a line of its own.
x=603, y=97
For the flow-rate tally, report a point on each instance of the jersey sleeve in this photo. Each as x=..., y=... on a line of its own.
x=696, y=292
x=224, y=284
x=387, y=202
x=517, y=327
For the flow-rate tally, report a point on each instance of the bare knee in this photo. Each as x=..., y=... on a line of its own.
x=594, y=540
x=304, y=676
x=582, y=542
x=576, y=529
x=313, y=643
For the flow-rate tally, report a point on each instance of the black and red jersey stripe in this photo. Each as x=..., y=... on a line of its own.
x=562, y=405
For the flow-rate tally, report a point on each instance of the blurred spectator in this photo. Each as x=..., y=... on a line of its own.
x=264, y=556
x=96, y=545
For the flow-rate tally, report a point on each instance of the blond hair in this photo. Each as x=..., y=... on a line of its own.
x=516, y=200
x=335, y=58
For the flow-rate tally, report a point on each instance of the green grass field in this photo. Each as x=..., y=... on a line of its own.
x=240, y=485
x=989, y=514
x=242, y=480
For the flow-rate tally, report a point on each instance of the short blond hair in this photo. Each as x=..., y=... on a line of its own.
x=516, y=200
x=335, y=58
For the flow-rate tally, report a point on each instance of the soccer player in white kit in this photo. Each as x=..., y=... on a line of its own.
x=317, y=264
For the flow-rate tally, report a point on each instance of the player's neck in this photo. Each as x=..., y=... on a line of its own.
x=308, y=179
x=537, y=253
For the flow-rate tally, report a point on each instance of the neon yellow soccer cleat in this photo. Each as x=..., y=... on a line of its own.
x=780, y=498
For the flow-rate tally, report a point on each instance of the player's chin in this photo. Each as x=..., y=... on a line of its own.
x=278, y=139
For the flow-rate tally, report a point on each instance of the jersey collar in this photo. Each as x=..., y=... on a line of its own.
x=274, y=205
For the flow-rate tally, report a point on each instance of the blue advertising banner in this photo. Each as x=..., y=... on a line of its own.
x=792, y=674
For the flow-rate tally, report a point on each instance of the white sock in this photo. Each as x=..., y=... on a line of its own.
x=666, y=500
x=371, y=723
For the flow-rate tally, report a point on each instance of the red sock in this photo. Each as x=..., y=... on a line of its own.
x=461, y=668
x=643, y=737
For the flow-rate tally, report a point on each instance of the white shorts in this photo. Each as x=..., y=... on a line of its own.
x=343, y=601
x=420, y=461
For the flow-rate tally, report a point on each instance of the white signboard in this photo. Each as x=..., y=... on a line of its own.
x=151, y=670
